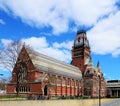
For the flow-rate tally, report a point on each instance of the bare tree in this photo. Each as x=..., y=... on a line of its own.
x=2, y=83
x=8, y=57
x=9, y=54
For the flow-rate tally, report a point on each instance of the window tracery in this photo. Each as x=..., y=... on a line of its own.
x=22, y=72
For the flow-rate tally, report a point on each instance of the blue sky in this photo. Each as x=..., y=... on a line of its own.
x=50, y=28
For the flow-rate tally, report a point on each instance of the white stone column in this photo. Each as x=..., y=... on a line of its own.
x=117, y=92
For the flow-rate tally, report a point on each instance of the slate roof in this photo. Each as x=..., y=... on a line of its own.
x=48, y=64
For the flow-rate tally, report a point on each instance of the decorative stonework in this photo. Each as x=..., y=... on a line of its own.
x=81, y=58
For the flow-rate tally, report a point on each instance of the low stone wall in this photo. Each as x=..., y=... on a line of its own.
x=85, y=102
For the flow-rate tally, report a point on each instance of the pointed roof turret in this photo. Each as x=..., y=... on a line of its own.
x=90, y=70
x=98, y=67
x=90, y=63
x=24, y=44
x=98, y=64
x=90, y=59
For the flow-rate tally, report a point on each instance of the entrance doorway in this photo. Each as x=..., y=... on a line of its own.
x=45, y=90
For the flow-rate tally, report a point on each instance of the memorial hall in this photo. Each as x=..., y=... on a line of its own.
x=37, y=74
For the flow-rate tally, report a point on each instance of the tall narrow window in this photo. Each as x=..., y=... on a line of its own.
x=63, y=81
x=72, y=83
x=68, y=81
x=22, y=72
x=52, y=79
x=58, y=80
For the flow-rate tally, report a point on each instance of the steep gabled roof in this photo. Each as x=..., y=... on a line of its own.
x=90, y=69
x=98, y=69
x=50, y=65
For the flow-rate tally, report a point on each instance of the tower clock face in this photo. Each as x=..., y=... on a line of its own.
x=78, y=42
x=81, y=41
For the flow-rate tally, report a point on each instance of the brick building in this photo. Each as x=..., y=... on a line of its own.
x=38, y=74
x=113, y=88
x=93, y=79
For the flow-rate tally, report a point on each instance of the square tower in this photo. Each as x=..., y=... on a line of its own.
x=81, y=50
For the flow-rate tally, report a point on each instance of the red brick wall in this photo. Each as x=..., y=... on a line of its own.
x=35, y=88
x=24, y=56
x=78, y=62
x=10, y=88
x=53, y=90
x=64, y=90
x=38, y=88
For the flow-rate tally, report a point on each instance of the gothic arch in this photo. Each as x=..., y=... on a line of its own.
x=46, y=90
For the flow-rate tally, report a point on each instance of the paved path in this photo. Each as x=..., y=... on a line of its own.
x=115, y=102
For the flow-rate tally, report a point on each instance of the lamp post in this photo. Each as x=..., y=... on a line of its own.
x=78, y=88
x=99, y=90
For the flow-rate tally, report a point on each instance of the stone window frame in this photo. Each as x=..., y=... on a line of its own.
x=22, y=72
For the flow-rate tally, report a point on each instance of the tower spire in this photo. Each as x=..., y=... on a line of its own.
x=90, y=59
x=98, y=64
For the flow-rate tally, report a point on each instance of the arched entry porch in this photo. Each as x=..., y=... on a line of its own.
x=45, y=90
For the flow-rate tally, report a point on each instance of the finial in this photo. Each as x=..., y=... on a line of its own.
x=24, y=44
x=90, y=59
x=98, y=64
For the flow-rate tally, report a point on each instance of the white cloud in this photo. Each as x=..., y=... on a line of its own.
x=57, y=14
x=35, y=42
x=105, y=35
x=5, y=42
x=88, y=12
x=67, y=45
x=63, y=55
x=41, y=45
x=2, y=22
x=45, y=34
x=60, y=51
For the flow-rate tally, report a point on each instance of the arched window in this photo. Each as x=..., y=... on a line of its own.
x=23, y=89
x=72, y=82
x=63, y=81
x=77, y=83
x=22, y=72
x=52, y=79
x=68, y=82
x=58, y=80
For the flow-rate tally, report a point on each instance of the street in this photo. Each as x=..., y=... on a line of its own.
x=115, y=102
